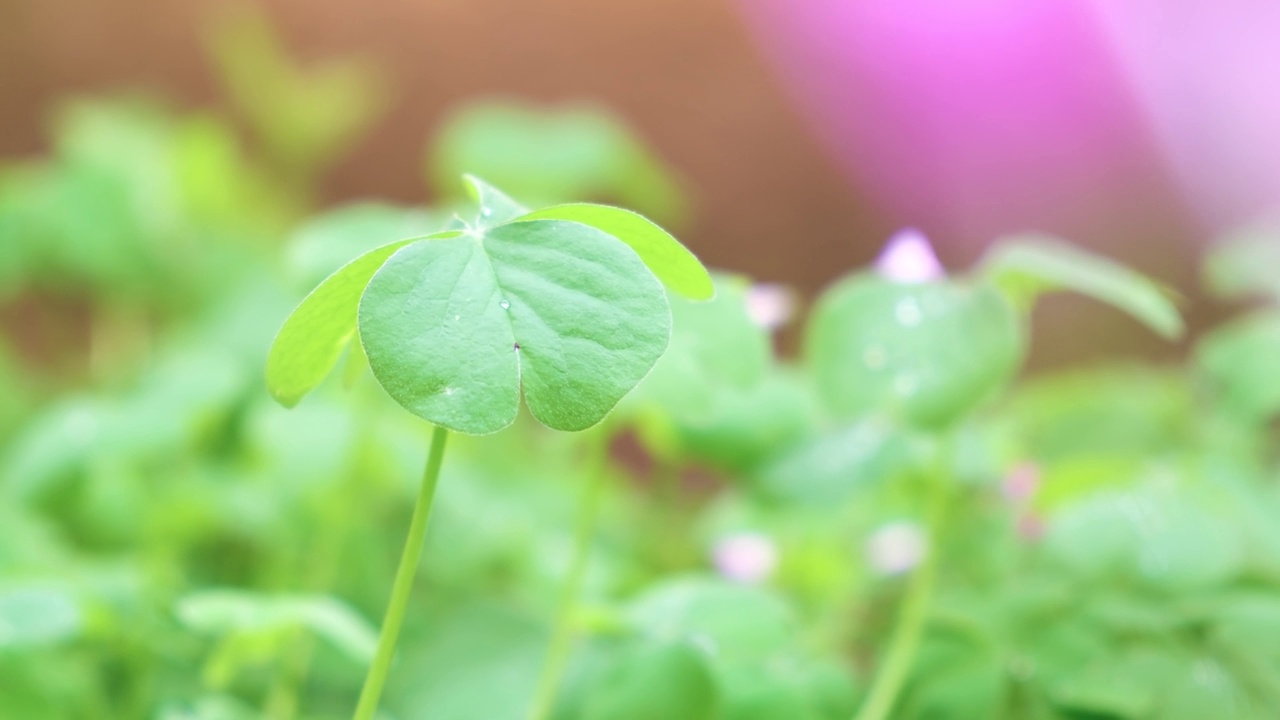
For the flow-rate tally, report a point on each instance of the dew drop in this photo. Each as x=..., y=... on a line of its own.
x=504, y=304
x=448, y=391
x=486, y=211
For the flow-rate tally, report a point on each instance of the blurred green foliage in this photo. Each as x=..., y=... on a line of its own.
x=173, y=545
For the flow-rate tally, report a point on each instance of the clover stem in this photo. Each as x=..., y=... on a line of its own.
x=915, y=609
x=403, y=585
x=563, y=632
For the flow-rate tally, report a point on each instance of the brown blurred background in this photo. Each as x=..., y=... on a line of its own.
x=686, y=74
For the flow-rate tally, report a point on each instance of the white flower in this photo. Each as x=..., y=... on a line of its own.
x=909, y=258
x=896, y=547
x=746, y=557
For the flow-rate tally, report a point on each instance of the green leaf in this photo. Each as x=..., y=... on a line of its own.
x=1070, y=414
x=328, y=241
x=225, y=612
x=830, y=466
x=1203, y=687
x=1028, y=266
x=743, y=429
x=34, y=616
x=655, y=680
x=786, y=689
x=955, y=677
x=495, y=207
x=736, y=623
x=453, y=328
x=553, y=154
x=672, y=262
x=1164, y=532
x=463, y=656
x=303, y=116
x=1246, y=263
x=1123, y=683
x=715, y=350
x=927, y=353
x=319, y=329
x=1239, y=359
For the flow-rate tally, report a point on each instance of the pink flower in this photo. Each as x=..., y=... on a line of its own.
x=770, y=305
x=909, y=258
x=1021, y=484
x=1031, y=526
x=749, y=558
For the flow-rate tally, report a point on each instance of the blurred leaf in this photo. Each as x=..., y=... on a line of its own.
x=1240, y=361
x=751, y=427
x=715, y=395
x=1244, y=264
x=796, y=688
x=209, y=707
x=1130, y=411
x=715, y=351
x=670, y=261
x=954, y=678
x=1074, y=479
x=229, y=612
x=655, y=680
x=756, y=694
x=829, y=467
x=1162, y=533
x=928, y=353
x=1026, y=267
x=477, y=662
x=36, y=616
x=327, y=241
x=1123, y=684
x=1201, y=687
x=733, y=623
x=553, y=155
x=303, y=116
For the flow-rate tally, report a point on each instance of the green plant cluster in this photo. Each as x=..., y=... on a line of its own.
x=888, y=524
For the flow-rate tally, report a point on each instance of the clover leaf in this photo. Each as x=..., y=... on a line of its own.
x=563, y=303
x=1026, y=267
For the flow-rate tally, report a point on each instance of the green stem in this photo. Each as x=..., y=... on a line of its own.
x=403, y=586
x=911, y=621
x=563, y=632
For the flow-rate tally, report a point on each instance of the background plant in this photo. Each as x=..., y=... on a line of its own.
x=174, y=545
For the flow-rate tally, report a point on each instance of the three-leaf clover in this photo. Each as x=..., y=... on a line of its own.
x=565, y=303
